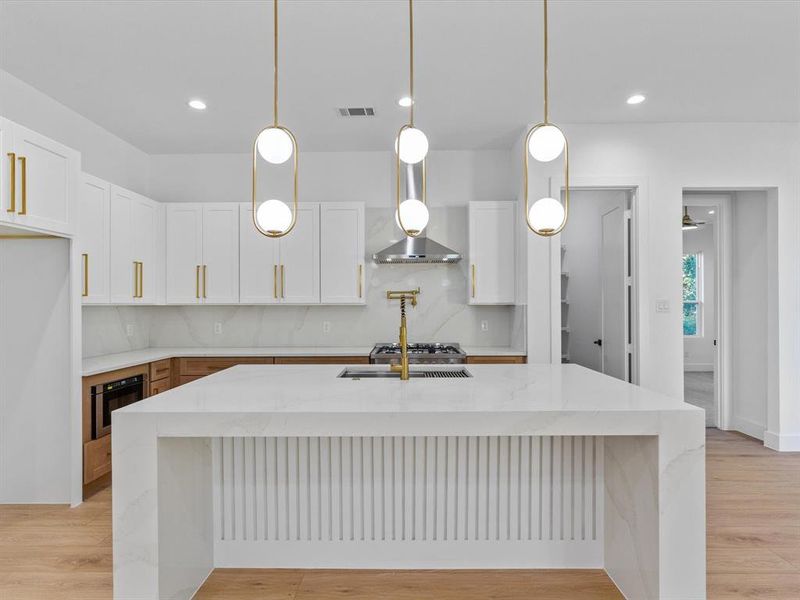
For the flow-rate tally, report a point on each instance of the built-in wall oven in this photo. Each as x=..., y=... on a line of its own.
x=109, y=396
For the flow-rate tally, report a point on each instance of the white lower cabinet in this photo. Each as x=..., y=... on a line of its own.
x=492, y=252
x=280, y=270
x=93, y=224
x=202, y=246
x=342, y=269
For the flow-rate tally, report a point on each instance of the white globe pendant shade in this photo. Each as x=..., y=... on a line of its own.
x=546, y=143
x=274, y=216
x=415, y=216
x=274, y=145
x=546, y=215
x=413, y=145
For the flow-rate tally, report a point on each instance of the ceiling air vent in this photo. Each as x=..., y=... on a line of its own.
x=365, y=111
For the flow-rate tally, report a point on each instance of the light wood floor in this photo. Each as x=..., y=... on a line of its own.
x=753, y=549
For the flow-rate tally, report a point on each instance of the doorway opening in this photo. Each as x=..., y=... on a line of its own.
x=598, y=284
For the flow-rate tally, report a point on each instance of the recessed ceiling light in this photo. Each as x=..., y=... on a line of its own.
x=636, y=99
x=197, y=104
x=711, y=212
x=405, y=101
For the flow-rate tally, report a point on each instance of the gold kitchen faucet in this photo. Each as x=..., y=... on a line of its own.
x=402, y=295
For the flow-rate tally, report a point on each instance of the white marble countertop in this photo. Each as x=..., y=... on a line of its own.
x=110, y=362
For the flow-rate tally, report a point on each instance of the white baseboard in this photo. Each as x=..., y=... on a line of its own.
x=787, y=442
x=747, y=427
x=697, y=367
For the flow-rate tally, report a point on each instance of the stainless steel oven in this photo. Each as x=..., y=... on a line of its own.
x=108, y=397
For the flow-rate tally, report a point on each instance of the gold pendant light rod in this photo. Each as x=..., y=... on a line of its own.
x=411, y=60
x=546, y=66
x=275, y=233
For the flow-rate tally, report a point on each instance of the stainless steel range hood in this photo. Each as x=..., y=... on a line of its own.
x=418, y=249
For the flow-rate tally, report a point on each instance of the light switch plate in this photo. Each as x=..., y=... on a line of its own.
x=326, y=327
x=484, y=325
x=129, y=329
x=218, y=328
x=662, y=306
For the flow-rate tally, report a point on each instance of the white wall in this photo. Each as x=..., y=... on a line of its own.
x=698, y=352
x=582, y=260
x=668, y=158
x=750, y=313
x=102, y=153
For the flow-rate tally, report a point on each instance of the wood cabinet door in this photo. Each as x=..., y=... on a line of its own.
x=221, y=253
x=298, y=269
x=184, y=232
x=47, y=182
x=491, y=275
x=144, y=213
x=93, y=227
x=342, y=274
x=121, y=270
x=259, y=275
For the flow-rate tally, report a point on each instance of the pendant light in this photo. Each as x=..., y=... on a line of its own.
x=275, y=144
x=546, y=142
x=411, y=147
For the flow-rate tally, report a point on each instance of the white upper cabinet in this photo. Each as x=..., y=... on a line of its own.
x=40, y=180
x=280, y=270
x=93, y=226
x=202, y=253
x=342, y=269
x=492, y=253
x=135, y=263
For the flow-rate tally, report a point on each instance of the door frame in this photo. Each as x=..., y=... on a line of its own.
x=638, y=189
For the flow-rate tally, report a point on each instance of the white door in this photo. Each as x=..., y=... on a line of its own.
x=221, y=253
x=491, y=277
x=184, y=253
x=299, y=259
x=258, y=262
x=613, y=294
x=121, y=268
x=342, y=276
x=93, y=225
x=8, y=170
x=46, y=182
x=144, y=214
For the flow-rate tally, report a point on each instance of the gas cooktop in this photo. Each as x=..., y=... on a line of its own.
x=419, y=353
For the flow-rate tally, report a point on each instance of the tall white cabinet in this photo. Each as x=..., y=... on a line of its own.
x=281, y=270
x=492, y=252
x=39, y=180
x=93, y=228
x=342, y=268
x=202, y=247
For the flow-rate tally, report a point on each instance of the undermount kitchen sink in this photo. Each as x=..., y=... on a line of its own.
x=430, y=373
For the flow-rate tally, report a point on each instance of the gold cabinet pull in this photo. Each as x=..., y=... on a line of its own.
x=141, y=279
x=473, y=280
x=23, y=165
x=275, y=281
x=205, y=269
x=12, y=179
x=85, y=275
x=360, y=276
x=197, y=282
x=135, y=279
x=283, y=283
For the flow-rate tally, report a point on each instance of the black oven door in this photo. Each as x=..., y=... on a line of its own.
x=110, y=396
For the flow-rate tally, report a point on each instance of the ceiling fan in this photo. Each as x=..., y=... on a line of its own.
x=688, y=223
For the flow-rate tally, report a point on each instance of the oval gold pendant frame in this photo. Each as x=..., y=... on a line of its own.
x=546, y=232
x=412, y=232
x=274, y=234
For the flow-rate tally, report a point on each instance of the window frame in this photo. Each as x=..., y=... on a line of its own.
x=699, y=302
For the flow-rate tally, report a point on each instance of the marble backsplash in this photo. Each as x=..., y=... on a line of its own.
x=442, y=313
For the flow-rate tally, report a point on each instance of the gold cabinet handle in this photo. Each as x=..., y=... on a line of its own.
x=197, y=282
x=23, y=164
x=473, y=280
x=360, y=276
x=205, y=269
x=12, y=178
x=141, y=279
x=275, y=281
x=135, y=279
x=283, y=283
x=85, y=275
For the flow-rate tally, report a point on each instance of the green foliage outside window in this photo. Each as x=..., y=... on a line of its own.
x=690, y=297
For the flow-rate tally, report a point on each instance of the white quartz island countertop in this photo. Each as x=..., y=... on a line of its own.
x=654, y=521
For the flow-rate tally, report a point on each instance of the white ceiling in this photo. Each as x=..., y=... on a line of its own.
x=130, y=66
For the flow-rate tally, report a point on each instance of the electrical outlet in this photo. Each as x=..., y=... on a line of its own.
x=129, y=329
x=484, y=325
x=218, y=328
x=326, y=327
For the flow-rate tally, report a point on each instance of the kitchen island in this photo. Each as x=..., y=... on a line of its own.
x=517, y=466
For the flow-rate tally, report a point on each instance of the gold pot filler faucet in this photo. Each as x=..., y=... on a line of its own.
x=402, y=295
